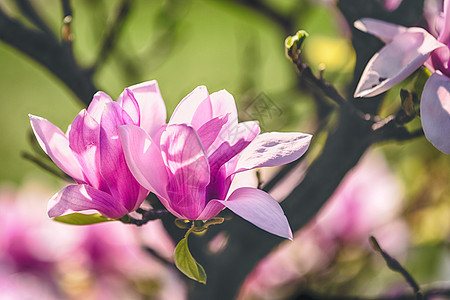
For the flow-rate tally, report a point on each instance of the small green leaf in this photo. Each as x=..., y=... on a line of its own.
x=82, y=219
x=187, y=264
x=293, y=44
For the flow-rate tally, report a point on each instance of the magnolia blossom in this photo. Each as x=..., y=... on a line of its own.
x=406, y=50
x=91, y=152
x=191, y=162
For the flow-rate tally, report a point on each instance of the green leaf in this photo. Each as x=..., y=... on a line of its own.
x=82, y=219
x=187, y=264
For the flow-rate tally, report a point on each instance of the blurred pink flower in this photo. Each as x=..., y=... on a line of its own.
x=43, y=259
x=367, y=202
x=190, y=164
x=391, y=4
x=91, y=152
x=368, y=197
x=406, y=50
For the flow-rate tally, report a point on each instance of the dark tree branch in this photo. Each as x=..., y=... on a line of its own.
x=395, y=266
x=45, y=166
x=67, y=9
x=159, y=257
x=352, y=136
x=147, y=215
x=46, y=50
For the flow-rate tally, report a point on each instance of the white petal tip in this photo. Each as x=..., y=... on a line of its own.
x=360, y=25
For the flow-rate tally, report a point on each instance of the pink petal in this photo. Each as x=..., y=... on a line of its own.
x=131, y=106
x=209, y=131
x=440, y=59
x=211, y=210
x=144, y=159
x=195, y=109
x=396, y=61
x=392, y=5
x=82, y=197
x=55, y=143
x=444, y=35
x=97, y=105
x=385, y=31
x=273, y=149
x=234, y=142
x=188, y=169
x=84, y=140
x=260, y=209
x=435, y=111
x=151, y=104
x=113, y=165
x=223, y=103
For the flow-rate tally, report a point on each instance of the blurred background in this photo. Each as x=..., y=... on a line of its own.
x=399, y=191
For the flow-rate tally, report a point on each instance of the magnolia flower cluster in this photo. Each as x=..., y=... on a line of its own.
x=118, y=151
x=405, y=51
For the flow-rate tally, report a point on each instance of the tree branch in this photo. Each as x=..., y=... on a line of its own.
x=147, y=215
x=343, y=148
x=395, y=266
x=46, y=50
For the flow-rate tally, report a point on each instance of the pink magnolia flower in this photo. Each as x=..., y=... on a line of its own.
x=190, y=164
x=91, y=152
x=406, y=50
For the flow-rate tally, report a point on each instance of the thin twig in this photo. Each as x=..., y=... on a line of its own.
x=112, y=34
x=66, y=31
x=159, y=257
x=147, y=215
x=67, y=10
x=30, y=12
x=47, y=51
x=395, y=266
x=46, y=167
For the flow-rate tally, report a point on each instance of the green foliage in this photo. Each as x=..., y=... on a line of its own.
x=186, y=263
x=82, y=219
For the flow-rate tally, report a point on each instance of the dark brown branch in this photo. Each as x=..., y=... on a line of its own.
x=395, y=266
x=45, y=166
x=67, y=9
x=46, y=50
x=147, y=216
x=389, y=130
x=159, y=257
x=66, y=31
x=345, y=145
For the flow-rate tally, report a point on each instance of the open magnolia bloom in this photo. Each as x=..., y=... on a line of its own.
x=405, y=51
x=91, y=152
x=190, y=164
